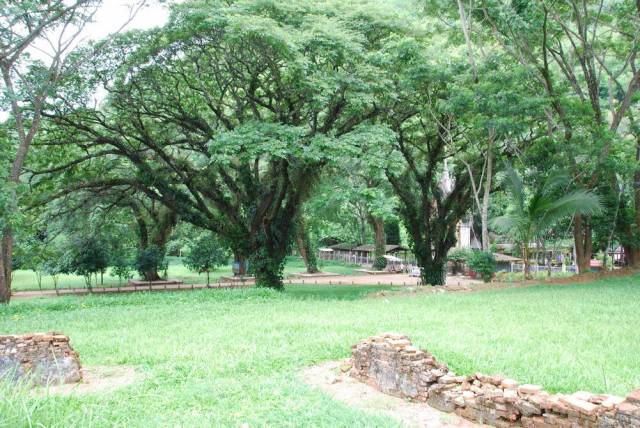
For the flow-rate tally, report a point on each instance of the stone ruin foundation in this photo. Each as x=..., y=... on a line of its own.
x=391, y=364
x=39, y=358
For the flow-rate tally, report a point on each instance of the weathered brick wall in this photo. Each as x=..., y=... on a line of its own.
x=42, y=358
x=390, y=363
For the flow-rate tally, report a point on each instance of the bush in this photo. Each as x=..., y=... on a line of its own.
x=458, y=257
x=87, y=256
x=205, y=254
x=122, y=267
x=483, y=263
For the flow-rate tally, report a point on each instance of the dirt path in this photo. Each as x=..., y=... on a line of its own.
x=341, y=387
x=95, y=379
x=116, y=290
x=453, y=284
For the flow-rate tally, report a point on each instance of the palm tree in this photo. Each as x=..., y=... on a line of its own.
x=532, y=214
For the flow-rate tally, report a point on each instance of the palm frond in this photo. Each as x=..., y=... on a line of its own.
x=514, y=185
x=554, y=180
x=516, y=225
x=577, y=202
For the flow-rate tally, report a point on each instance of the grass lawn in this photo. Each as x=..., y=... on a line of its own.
x=26, y=279
x=230, y=357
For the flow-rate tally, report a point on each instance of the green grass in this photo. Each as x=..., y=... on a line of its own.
x=229, y=357
x=26, y=279
x=538, y=276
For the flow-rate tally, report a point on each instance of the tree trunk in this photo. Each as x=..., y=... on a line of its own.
x=305, y=248
x=152, y=275
x=433, y=268
x=583, y=242
x=242, y=260
x=270, y=250
x=484, y=212
x=6, y=266
x=164, y=224
x=632, y=256
x=632, y=252
x=380, y=244
x=434, y=272
x=268, y=271
x=526, y=274
x=362, y=221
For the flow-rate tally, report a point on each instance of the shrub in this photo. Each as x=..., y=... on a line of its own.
x=483, y=263
x=205, y=254
x=122, y=267
x=87, y=256
x=458, y=256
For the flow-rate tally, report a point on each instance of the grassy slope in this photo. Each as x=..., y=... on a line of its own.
x=26, y=280
x=226, y=357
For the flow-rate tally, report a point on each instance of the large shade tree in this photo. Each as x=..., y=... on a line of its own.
x=228, y=114
x=424, y=161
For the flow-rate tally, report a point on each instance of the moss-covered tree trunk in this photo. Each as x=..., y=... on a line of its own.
x=434, y=273
x=583, y=242
x=380, y=243
x=155, y=225
x=6, y=265
x=268, y=271
x=306, y=250
x=433, y=266
x=267, y=265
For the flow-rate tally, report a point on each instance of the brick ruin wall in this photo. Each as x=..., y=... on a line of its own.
x=391, y=364
x=40, y=358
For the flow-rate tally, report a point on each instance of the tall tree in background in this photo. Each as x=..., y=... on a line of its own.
x=52, y=28
x=500, y=104
x=368, y=191
x=22, y=25
x=151, y=221
x=583, y=55
x=428, y=131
